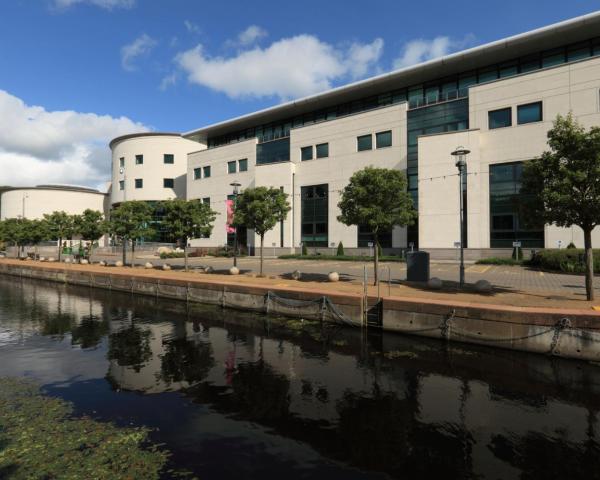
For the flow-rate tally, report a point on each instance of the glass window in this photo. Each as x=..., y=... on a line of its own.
x=530, y=63
x=122, y=162
x=596, y=47
x=168, y=158
x=306, y=153
x=197, y=173
x=273, y=152
x=364, y=142
x=488, y=74
x=314, y=215
x=508, y=69
x=578, y=51
x=384, y=139
x=168, y=183
x=231, y=167
x=206, y=200
x=553, y=57
x=500, y=118
x=529, y=113
x=206, y=172
x=139, y=183
x=121, y=184
x=322, y=150
x=365, y=236
x=243, y=165
x=466, y=80
x=139, y=159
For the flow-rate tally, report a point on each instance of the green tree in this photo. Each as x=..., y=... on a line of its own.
x=15, y=231
x=377, y=198
x=187, y=219
x=131, y=221
x=60, y=226
x=90, y=225
x=564, y=184
x=260, y=209
x=37, y=231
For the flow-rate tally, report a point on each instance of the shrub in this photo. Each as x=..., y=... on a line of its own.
x=571, y=245
x=165, y=255
x=571, y=260
x=340, y=250
x=304, y=249
x=498, y=261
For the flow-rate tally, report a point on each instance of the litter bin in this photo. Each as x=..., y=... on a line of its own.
x=417, y=266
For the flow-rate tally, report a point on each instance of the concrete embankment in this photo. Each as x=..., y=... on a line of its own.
x=570, y=333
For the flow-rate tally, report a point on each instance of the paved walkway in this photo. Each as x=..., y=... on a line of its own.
x=512, y=278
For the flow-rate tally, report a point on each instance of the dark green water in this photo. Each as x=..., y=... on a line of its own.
x=239, y=396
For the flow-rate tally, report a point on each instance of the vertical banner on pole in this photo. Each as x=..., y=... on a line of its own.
x=229, y=223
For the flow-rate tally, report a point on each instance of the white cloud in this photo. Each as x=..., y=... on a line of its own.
x=139, y=47
x=106, y=4
x=421, y=50
x=168, y=81
x=288, y=68
x=191, y=27
x=39, y=146
x=251, y=35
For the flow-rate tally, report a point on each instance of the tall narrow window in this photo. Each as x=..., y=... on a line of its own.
x=306, y=153
x=206, y=171
x=364, y=142
x=139, y=183
x=315, y=215
x=197, y=173
x=168, y=183
x=532, y=112
x=121, y=162
x=243, y=165
x=231, y=167
x=322, y=150
x=121, y=184
x=384, y=139
x=500, y=118
x=139, y=159
x=168, y=158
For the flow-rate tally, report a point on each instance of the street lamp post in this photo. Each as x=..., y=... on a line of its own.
x=236, y=185
x=461, y=163
x=23, y=209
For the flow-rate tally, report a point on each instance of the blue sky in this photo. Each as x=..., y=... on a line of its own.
x=75, y=73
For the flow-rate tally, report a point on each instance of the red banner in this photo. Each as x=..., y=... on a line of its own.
x=228, y=225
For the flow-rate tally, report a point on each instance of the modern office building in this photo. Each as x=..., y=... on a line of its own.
x=150, y=167
x=497, y=100
x=34, y=202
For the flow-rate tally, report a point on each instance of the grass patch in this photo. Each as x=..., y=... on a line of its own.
x=498, y=261
x=39, y=438
x=343, y=258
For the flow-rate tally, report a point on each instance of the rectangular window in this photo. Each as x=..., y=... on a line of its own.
x=168, y=158
x=488, y=74
x=384, y=139
x=364, y=142
x=306, y=153
x=139, y=183
x=273, y=152
x=322, y=150
x=365, y=236
x=530, y=63
x=532, y=112
x=243, y=165
x=596, y=47
x=206, y=171
x=197, y=173
x=122, y=162
x=139, y=159
x=231, y=167
x=206, y=200
x=578, y=51
x=121, y=184
x=314, y=215
x=500, y=118
x=168, y=183
x=553, y=57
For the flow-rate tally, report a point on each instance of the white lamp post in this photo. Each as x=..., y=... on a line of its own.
x=461, y=163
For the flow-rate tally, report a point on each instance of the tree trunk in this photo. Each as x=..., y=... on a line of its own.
x=376, y=258
x=124, y=240
x=262, y=239
x=35, y=255
x=132, y=253
x=59, y=247
x=589, y=264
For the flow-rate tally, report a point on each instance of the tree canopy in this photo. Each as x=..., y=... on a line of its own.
x=130, y=221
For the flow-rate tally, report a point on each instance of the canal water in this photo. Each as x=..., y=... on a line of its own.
x=241, y=396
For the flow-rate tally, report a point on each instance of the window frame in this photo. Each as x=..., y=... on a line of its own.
x=122, y=162
x=243, y=161
x=121, y=185
x=206, y=169
x=165, y=155
x=169, y=180
x=139, y=183
x=197, y=173
x=326, y=145
x=229, y=165
x=139, y=159
x=541, y=118
x=377, y=134
x=364, y=148
x=304, y=149
x=490, y=112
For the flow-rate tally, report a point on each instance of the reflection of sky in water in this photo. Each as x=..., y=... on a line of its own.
x=300, y=402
